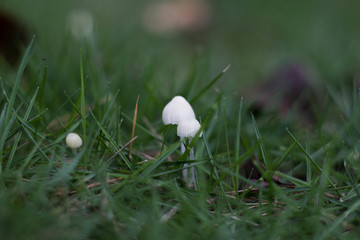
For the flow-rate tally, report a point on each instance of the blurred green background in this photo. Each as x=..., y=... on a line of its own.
x=255, y=37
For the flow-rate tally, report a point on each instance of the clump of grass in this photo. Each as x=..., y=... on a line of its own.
x=301, y=183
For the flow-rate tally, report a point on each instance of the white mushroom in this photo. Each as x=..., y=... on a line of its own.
x=179, y=112
x=73, y=141
x=176, y=110
x=188, y=128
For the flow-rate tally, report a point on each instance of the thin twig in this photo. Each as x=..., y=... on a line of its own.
x=134, y=124
x=118, y=152
x=170, y=213
x=151, y=128
x=274, y=177
x=95, y=184
x=113, y=180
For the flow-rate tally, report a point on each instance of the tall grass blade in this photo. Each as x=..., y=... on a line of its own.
x=20, y=72
x=134, y=125
x=227, y=146
x=207, y=87
x=82, y=101
x=237, y=143
x=313, y=161
x=215, y=172
x=260, y=141
x=42, y=89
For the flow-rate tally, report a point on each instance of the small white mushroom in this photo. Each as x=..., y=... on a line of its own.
x=73, y=141
x=176, y=110
x=188, y=128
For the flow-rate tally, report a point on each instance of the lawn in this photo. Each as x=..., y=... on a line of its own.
x=275, y=87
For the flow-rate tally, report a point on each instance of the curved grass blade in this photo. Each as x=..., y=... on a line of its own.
x=207, y=87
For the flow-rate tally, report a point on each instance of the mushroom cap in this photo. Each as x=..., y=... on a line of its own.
x=188, y=128
x=73, y=140
x=176, y=110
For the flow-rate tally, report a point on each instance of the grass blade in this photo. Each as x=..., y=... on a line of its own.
x=339, y=220
x=42, y=89
x=237, y=144
x=207, y=87
x=292, y=179
x=313, y=161
x=9, y=108
x=134, y=124
x=82, y=101
x=259, y=139
x=304, y=151
x=214, y=170
x=238, y=131
x=26, y=116
x=18, y=79
x=4, y=134
x=152, y=165
x=113, y=142
x=276, y=164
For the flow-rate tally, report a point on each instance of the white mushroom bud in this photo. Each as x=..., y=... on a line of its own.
x=176, y=110
x=188, y=128
x=73, y=140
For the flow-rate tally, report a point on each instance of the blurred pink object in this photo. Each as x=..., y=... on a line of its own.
x=177, y=16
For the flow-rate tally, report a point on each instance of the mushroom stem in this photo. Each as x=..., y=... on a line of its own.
x=74, y=151
x=185, y=171
x=193, y=170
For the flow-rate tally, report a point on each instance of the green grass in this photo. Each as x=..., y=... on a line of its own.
x=308, y=186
